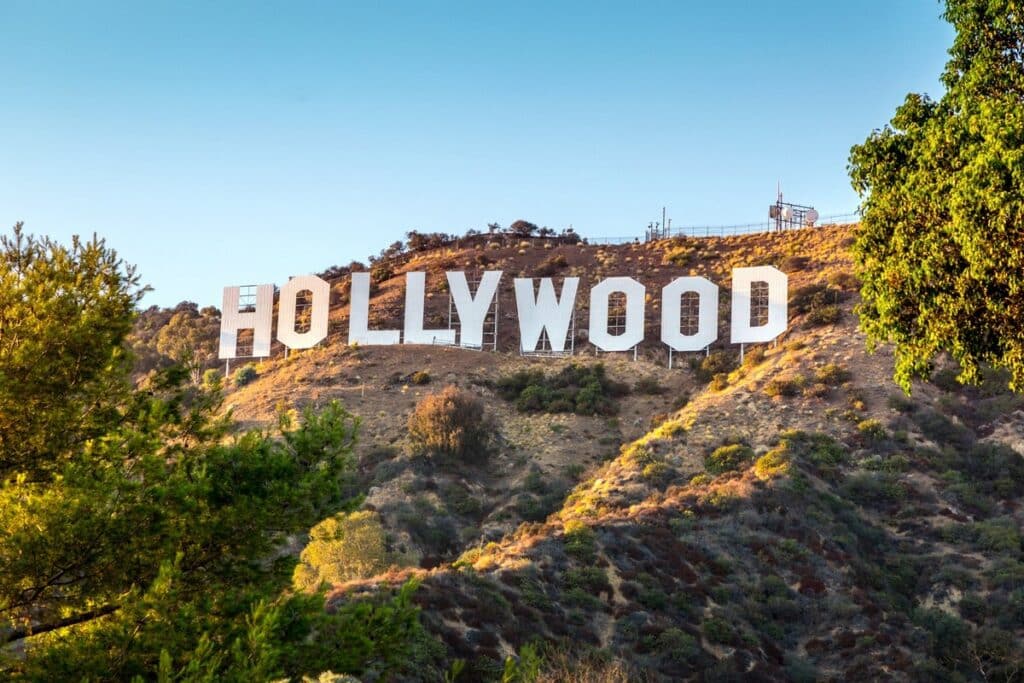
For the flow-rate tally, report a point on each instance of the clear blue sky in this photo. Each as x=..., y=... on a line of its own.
x=217, y=143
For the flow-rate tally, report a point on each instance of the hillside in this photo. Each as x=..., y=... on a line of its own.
x=790, y=517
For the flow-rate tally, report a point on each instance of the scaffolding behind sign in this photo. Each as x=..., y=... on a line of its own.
x=489, y=339
x=617, y=318
x=245, y=337
x=689, y=320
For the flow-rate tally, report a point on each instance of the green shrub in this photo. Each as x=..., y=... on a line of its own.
x=998, y=535
x=893, y=464
x=872, y=430
x=381, y=273
x=537, y=508
x=902, y=404
x=718, y=630
x=754, y=356
x=577, y=388
x=942, y=430
x=844, y=280
x=824, y=315
x=677, y=645
x=996, y=468
x=649, y=385
x=832, y=374
x=948, y=635
x=551, y=265
x=680, y=255
x=818, y=302
x=460, y=501
x=590, y=579
x=656, y=471
x=873, y=489
x=719, y=382
x=716, y=363
x=772, y=464
x=820, y=450
x=212, y=379
x=680, y=401
x=790, y=386
x=342, y=548
x=450, y=422
x=580, y=541
x=245, y=374
x=728, y=458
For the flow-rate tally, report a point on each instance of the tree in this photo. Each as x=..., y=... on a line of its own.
x=63, y=315
x=137, y=532
x=522, y=228
x=341, y=548
x=190, y=338
x=941, y=246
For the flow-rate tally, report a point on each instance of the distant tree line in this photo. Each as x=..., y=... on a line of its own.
x=417, y=241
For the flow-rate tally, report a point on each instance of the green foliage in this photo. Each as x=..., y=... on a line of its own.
x=940, y=250
x=677, y=645
x=728, y=458
x=818, y=449
x=450, y=423
x=580, y=541
x=137, y=538
x=948, y=636
x=381, y=273
x=772, y=464
x=245, y=374
x=942, y=430
x=190, y=338
x=873, y=488
x=789, y=386
x=657, y=472
x=525, y=668
x=702, y=479
x=681, y=254
x=871, y=429
x=64, y=313
x=718, y=630
x=819, y=303
x=294, y=636
x=716, y=363
x=649, y=385
x=576, y=388
x=753, y=357
x=998, y=535
x=213, y=380
x=551, y=266
x=832, y=374
x=341, y=548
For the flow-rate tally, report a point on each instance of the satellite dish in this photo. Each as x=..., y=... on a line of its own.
x=787, y=213
x=773, y=211
x=811, y=217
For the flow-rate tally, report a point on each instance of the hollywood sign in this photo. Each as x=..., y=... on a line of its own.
x=539, y=310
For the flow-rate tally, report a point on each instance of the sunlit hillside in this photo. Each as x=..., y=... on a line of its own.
x=791, y=517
